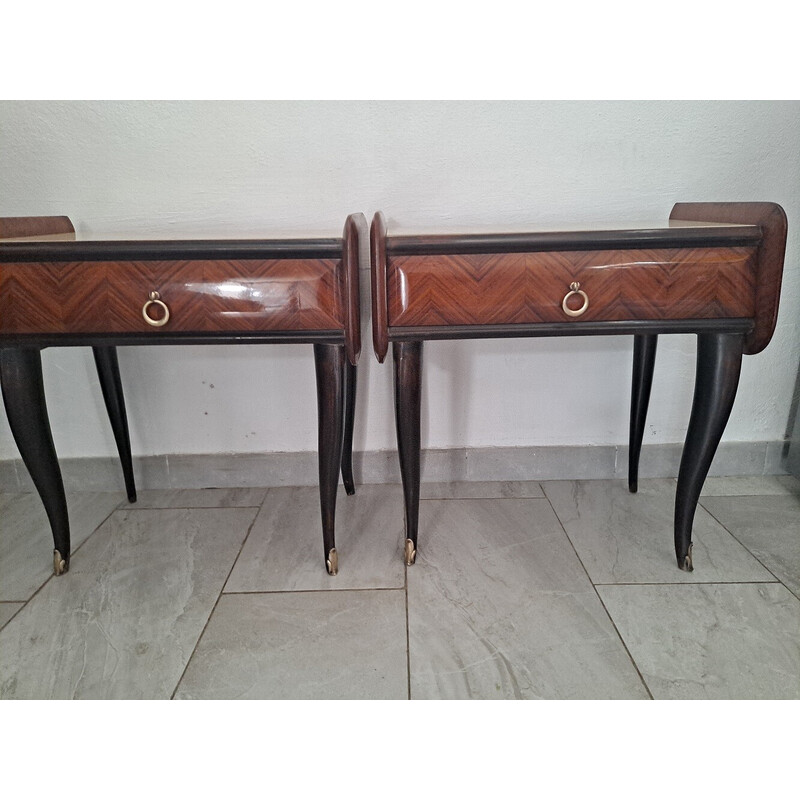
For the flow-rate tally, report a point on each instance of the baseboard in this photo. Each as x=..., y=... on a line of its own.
x=461, y=464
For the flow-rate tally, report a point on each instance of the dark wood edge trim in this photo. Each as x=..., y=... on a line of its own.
x=624, y=327
x=771, y=219
x=355, y=229
x=122, y=339
x=380, y=302
x=571, y=240
x=17, y=227
x=168, y=250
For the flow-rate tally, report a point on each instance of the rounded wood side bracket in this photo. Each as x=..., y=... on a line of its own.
x=380, y=307
x=771, y=218
x=19, y=227
x=355, y=229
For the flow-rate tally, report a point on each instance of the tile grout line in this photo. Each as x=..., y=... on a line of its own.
x=134, y=507
x=747, y=549
x=408, y=634
x=310, y=591
x=72, y=554
x=214, y=608
x=13, y=602
x=690, y=583
x=610, y=618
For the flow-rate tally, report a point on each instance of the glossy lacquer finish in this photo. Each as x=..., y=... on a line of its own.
x=56, y=290
x=520, y=288
x=233, y=295
x=771, y=220
x=714, y=270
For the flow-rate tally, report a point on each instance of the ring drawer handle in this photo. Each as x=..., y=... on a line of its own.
x=575, y=288
x=155, y=299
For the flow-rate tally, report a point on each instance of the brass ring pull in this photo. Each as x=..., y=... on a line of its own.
x=575, y=288
x=155, y=299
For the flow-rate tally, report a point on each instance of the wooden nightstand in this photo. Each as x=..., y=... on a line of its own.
x=713, y=269
x=59, y=290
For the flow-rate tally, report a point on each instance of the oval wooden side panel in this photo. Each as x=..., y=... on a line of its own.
x=519, y=288
x=214, y=296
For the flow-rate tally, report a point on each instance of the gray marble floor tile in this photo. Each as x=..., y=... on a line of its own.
x=629, y=538
x=8, y=476
x=499, y=607
x=197, y=498
x=7, y=610
x=302, y=646
x=123, y=622
x=769, y=527
x=480, y=489
x=741, y=486
x=284, y=551
x=721, y=641
x=26, y=541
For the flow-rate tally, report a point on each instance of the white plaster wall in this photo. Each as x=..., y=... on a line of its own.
x=261, y=167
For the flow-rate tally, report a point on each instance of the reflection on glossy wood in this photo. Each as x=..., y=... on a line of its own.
x=87, y=297
x=520, y=288
x=771, y=219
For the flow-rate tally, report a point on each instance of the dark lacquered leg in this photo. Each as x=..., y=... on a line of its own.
x=107, y=364
x=350, y=375
x=644, y=359
x=329, y=361
x=719, y=361
x=407, y=400
x=23, y=395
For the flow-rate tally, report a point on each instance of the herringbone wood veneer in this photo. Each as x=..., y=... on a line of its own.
x=518, y=288
x=107, y=297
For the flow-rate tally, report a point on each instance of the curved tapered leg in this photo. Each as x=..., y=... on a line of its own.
x=350, y=379
x=644, y=359
x=105, y=358
x=407, y=403
x=329, y=361
x=23, y=396
x=719, y=362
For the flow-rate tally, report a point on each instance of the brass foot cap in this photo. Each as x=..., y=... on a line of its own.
x=332, y=564
x=59, y=564
x=411, y=552
x=687, y=562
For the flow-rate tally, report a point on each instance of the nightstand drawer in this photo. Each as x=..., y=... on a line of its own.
x=571, y=286
x=171, y=296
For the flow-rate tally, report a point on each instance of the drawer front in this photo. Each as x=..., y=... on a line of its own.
x=201, y=296
x=525, y=288
x=51, y=298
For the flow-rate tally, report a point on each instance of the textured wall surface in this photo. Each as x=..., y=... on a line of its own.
x=125, y=167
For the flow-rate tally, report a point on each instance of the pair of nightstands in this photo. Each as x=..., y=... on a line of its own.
x=713, y=269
